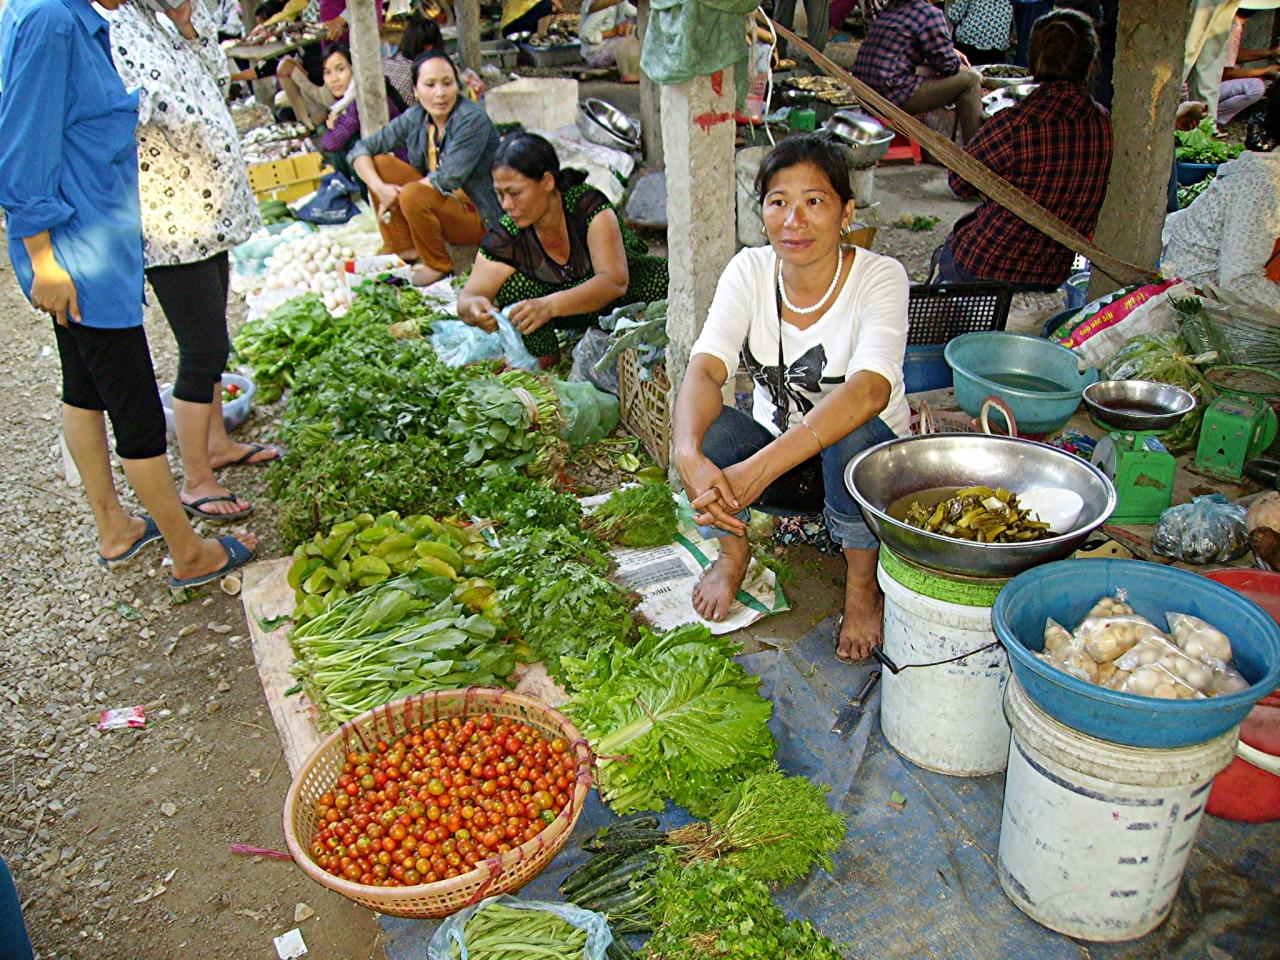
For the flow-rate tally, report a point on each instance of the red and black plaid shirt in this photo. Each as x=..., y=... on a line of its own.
x=906, y=34
x=1056, y=148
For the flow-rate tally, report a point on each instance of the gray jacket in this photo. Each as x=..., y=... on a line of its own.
x=467, y=149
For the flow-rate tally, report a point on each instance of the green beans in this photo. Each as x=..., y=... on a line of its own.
x=500, y=932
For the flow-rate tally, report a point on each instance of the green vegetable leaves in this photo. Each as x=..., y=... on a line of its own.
x=1201, y=145
x=637, y=516
x=673, y=717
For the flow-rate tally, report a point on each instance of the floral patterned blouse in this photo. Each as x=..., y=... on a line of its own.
x=196, y=201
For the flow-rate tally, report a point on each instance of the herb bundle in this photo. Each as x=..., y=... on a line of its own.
x=637, y=516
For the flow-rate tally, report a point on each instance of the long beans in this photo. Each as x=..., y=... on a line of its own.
x=499, y=932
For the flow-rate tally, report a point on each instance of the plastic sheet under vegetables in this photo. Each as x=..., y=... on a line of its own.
x=1209, y=529
x=1166, y=358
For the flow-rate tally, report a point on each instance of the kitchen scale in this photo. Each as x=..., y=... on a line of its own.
x=1132, y=455
x=1239, y=425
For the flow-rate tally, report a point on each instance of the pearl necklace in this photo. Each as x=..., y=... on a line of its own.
x=782, y=287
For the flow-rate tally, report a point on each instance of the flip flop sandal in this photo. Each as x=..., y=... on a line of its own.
x=149, y=535
x=237, y=556
x=193, y=508
x=254, y=450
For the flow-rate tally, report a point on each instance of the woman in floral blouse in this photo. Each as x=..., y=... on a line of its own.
x=196, y=205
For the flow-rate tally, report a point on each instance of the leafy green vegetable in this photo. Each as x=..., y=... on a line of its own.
x=519, y=502
x=404, y=308
x=917, y=222
x=275, y=344
x=710, y=910
x=506, y=422
x=771, y=826
x=672, y=717
x=1201, y=145
x=1166, y=358
x=1187, y=195
x=637, y=516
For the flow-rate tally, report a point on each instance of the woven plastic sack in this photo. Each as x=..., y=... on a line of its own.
x=1098, y=329
x=452, y=931
x=589, y=414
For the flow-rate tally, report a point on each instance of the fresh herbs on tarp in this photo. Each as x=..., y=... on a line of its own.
x=643, y=515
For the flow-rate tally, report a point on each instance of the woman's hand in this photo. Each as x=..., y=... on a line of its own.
x=710, y=493
x=181, y=17
x=480, y=314
x=388, y=194
x=53, y=291
x=335, y=28
x=530, y=315
x=748, y=479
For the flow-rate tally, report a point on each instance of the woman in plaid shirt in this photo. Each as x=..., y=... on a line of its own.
x=1056, y=148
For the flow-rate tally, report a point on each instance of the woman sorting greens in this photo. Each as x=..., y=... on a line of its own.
x=560, y=258
x=822, y=329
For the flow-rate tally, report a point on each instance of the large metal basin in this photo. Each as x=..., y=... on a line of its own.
x=882, y=475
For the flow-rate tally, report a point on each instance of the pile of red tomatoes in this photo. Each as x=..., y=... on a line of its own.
x=441, y=799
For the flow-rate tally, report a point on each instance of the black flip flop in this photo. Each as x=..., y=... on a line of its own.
x=193, y=508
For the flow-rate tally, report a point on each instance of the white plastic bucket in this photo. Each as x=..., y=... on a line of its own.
x=746, y=164
x=1095, y=836
x=946, y=717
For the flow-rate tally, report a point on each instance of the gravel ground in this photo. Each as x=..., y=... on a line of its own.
x=119, y=841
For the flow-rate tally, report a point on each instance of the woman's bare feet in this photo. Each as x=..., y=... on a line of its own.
x=861, y=626
x=424, y=276
x=210, y=556
x=719, y=584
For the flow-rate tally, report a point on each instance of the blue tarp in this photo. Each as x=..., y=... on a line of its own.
x=921, y=882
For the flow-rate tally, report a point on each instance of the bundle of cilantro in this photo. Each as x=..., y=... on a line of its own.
x=672, y=717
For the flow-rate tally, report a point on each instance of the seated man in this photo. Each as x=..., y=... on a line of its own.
x=909, y=59
x=1243, y=86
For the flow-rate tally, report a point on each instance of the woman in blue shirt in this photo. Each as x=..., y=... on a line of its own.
x=69, y=188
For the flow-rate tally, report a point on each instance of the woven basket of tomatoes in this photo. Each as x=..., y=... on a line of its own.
x=431, y=803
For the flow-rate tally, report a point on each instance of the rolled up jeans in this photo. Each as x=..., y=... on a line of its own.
x=813, y=486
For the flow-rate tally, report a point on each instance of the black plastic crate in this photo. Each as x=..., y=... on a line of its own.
x=937, y=313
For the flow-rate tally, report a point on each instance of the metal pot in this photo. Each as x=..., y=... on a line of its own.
x=604, y=124
x=866, y=139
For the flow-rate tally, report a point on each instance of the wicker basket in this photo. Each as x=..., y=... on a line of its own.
x=645, y=412
x=497, y=875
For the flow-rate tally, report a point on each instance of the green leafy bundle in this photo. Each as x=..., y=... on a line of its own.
x=771, y=827
x=1201, y=145
x=554, y=593
x=672, y=717
x=403, y=637
x=708, y=910
x=402, y=308
x=274, y=345
x=637, y=516
x=1167, y=358
x=1187, y=195
x=518, y=502
x=505, y=423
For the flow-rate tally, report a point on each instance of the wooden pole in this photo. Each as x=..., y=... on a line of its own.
x=366, y=64
x=467, y=13
x=650, y=100
x=1150, y=37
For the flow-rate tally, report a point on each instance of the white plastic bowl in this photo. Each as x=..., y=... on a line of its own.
x=234, y=414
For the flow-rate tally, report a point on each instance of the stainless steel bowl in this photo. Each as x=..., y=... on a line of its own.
x=604, y=124
x=995, y=83
x=1138, y=404
x=883, y=475
x=866, y=139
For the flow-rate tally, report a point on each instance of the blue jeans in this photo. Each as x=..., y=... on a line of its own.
x=815, y=485
x=14, y=944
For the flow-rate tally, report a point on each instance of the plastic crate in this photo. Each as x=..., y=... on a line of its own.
x=937, y=313
x=645, y=412
x=559, y=55
x=287, y=179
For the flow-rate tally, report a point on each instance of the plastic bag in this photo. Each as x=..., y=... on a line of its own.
x=1209, y=529
x=1057, y=638
x=458, y=343
x=513, y=348
x=589, y=414
x=1114, y=605
x=332, y=202
x=453, y=930
x=586, y=354
x=1154, y=680
x=1159, y=651
x=1199, y=639
x=1075, y=662
x=1107, y=638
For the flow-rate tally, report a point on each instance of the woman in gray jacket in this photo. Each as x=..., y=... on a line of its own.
x=444, y=194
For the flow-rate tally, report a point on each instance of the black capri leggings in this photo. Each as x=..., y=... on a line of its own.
x=111, y=370
x=194, y=299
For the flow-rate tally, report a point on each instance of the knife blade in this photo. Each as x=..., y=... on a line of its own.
x=851, y=712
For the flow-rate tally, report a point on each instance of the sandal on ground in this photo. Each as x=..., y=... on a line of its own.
x=237, y=556
x=254, y=450
x=149, y=535
x=193, y=508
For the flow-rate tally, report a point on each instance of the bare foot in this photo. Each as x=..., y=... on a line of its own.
x=424, y=276
x=235, y=453
x=114, y=543
x=860, y=627
x=190, y=495
x=211, y=556
x=716, y=589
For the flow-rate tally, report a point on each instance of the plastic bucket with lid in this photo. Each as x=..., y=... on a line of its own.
x=1094, y=836
x=941, y=710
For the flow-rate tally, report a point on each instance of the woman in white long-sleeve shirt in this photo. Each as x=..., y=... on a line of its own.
x=822, y=329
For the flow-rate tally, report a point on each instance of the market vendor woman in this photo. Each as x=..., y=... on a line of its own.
x=560, y=258
x=822, y=329
x=444, y=194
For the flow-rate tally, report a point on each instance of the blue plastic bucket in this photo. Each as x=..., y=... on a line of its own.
x=1189, y=173
x=1066, y=591
x=924, y=368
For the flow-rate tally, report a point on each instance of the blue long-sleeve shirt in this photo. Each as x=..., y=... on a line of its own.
x=68, y=158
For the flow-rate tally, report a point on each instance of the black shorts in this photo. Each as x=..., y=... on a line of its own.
x=111, y=370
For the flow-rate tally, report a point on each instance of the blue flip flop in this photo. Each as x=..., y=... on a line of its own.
x=237, y=556
x=149, y=535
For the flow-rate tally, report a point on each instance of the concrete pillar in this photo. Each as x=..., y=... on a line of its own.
x=467, y=13
x=697, y=135
x=650, y=114
x=366, y=64
x=1147, y=81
